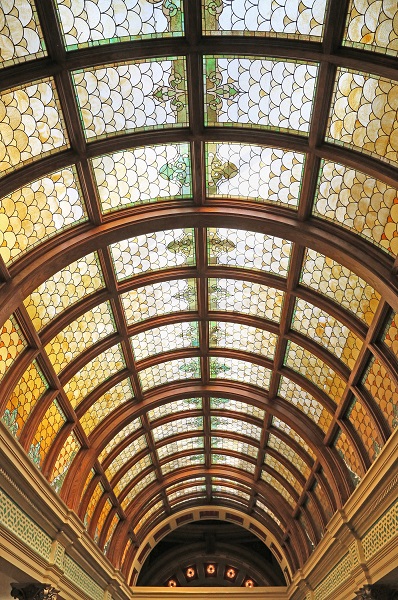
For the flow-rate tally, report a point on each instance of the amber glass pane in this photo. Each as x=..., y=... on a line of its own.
x=372, y=25
x=384, y=390
x=245, y=297
x=126, y=455
x=158, y=507
x=129, y=429
x=275, y=464
x=242, y=337
x=298, y=396
x=117, y=395
x=12, y=343
x=346, y=450
x=320, y=493
x=39, y=211
x=65, y=458
x=287, y=452
x=390, y=336
x=99, y=490
x=239, y=370
x=101, y=519
x=112, y=527
x=135, y=471
x=364, y=425
x=139, y=487
x=278, y=487
x=20, y=32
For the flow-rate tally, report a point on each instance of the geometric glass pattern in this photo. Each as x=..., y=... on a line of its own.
x=298, y=396
x=287, y=452
x=242, y=337
x=364, y=425
x=12, y=343
x=235, y=425
x=182, y=462
x=282, y=426
x=127, y=478
x=271, y=461
x=347, y=452
x=232, y=461
x=101, y=519
x=95, y=497
x=173, y=370
x=221, y=443
x=148, y=513
x=67, y=453
x=269, y=512
x=390, y=334
x=20, y=33
x=372, y=25
x=49, y=426
x=164, y=339
x=118, y=394
x=239, y=370
x=236, y=406
x=180, y=446
x=177, y=426
x=384, y=390
x=138, y=488
x=178, y=406
x=125, y=455
x=278, y=487
x=128, y=430
x=112, y=527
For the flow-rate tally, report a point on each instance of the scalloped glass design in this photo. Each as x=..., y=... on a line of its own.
x=298, y=396
x=137, y=489
x=282, y=426
x=64, y=460
x=287, y=452
x=176, y=406
x=29, y=389
x=278, y=487
x=176, y=427
x=231, y=461
x=256, y=173
x=236, y=406
x=338, y=283
x=95, y=372
x=198, y=491
x=230, y=444
x=50, y=424
x=363, y=114
x=258, y=18
x=148, y=514
x=134, y=472
x=20, y=33
x=245, y=297
x=390, y=334
x=360, y=203
x=118, y=394
x=235, y=426
x=239, y=370
x=128, y=97
x=31, y=124
x=182, y=462
x=185, y=445
x=220, y=491
x=161, y=298
x=271, y=462
x=324, y=329
x=372, y=25
x=172, y=370
x=126, y=455
x=248, y=250
x=95, y=498
x=242, y=337
x=253, y=92
x=384, y=390
x=143, y=175
x=39, y=211
x=345, y=448
x=187, y=481
x=106, y=509
x=154, y=251
x=264, y=508
x=12, y=343
x=164, y=339
x=315, y=370
x=114, y=523
x=75, y=282
x=365, y=427
x=128, y=430
x=93, y=23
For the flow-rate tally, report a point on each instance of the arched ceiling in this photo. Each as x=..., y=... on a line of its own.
x=198, y=256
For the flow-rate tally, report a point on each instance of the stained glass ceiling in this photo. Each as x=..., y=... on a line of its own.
x=198, y=257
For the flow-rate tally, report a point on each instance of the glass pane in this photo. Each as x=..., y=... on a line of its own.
x=148, y=513
x=390, y=335
x=178, y=426
x=231, y=461
x=200, y=481
x=365, y=427
x=287, y=452
x=219, y=491
x=298, y=396
x=101, y=520
x=128, y=430
x=278, y=487
x=251, y=92
x=319, y=490
x=65, y=458
x=117, y=395
x=282, y=426
x=164, y=339
x=63, y=289
x=79, y=335
x=315, y=370
x=245, y=297
x=236, y=406
x=176, y=406
x=286, y=18
x=254, y=173
x=346, y=450
x=126, y=455
x=384, y=390
x=47, y=430
x=220, y=443
x=146, y=253
x=363, y=114
x=127, y=97
x=269, y=512
x=331, y=279
x=239, y=370
x=92, y=22
x=372, y=25
x=271, y=462
x=159, y=299
x=12, y=343
x=113, y=525
x=134, y=472
x=28, y=134
x=173, y=370
x=143, y=175
x=139, y=487
x=235, y=426
x=20, y=33
x=182, y=462
x=180, y=446
x=242, y=337
x=99, y=490
x=248, y=250
x=39, y=211
x=196, y=490
x=360, y=203
x=324, y=329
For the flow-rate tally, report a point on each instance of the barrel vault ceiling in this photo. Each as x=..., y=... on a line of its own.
x=198, y=255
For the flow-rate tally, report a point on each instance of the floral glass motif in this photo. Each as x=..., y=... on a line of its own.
x=166, y=372
x=128, y=430
x=107, y=403
x=365, y=427
x=298, y=396
x=363, y=114
x=12, y=343
x=348, y=453
x=182, y=462
x=254, y=173
x=372, y=25
x=95, y=372
x=283, y=18
x=282, y=426
x=260, y=505
x=360, y=203
x=91, y=23
x=248, y=250
x=221, y=443
x=154, y=251
x=315, y=370
x=24, y=398
x=127, y=97
x=143, y=175
x=148, y=513
x=31, y=124
x=20, y=33
x=324, y=329
x=176, y=406
x=287, y=452
x=177, y=426
x=106, y=509
x=46, y=433
x=275, y=464
x=65, y=458
x=253, y=92
x=114, y=523
x=231, y=461
x=236, y=406
x=235, y=426
x=79, y=335
x=126, y=455
x=245, y=297
x=242, y=337
x=137, y=489
x=159, y=299
x=278, y=487
x=331, y=279
x=63, y=289
x=95, y=497
x=239, y=370
x=39, y=211
x=378, y=381
x=164, y=339
x=192, y=443
x=134, y=472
